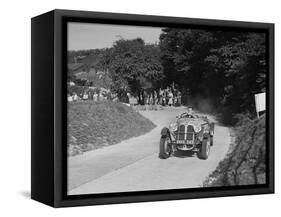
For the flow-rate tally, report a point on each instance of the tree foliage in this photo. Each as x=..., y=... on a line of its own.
x=135, y=66
x=226, y=67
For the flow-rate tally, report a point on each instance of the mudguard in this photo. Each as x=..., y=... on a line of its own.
x=165, y=132
x=212, y=129
x=206, y=135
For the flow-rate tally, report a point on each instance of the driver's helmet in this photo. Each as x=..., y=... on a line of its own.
x=190, y=111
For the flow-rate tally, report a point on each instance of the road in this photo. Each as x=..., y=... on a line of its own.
x=133, y=165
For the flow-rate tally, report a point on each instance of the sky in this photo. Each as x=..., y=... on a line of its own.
x=83, y=36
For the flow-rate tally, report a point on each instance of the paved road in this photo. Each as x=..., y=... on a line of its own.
x=133, y=165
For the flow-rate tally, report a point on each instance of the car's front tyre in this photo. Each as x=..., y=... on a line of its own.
x=205, y=149
x=165, y=147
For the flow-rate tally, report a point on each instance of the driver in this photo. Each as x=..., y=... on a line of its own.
x=190, y=111
x=188, y=114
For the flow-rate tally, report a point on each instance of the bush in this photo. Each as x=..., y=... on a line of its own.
x=245, y=164
x=93, y=125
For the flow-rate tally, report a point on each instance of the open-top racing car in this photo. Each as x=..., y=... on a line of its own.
x=188, y=133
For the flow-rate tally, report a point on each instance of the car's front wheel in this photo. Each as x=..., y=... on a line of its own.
x=165, y=147
x=205, y=149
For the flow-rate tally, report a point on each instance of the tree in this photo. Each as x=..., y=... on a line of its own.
x=134, y=67
x=225, y=67
x=183, y=54
x=243, y=63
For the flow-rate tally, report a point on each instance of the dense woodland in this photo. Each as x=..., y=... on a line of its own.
x=216, y=71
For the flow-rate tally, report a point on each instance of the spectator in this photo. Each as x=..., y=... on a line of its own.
x=160, y=99
x=167, y=96
x=132, y=101
x=179, y=98
x=146, y=98
x=101, y=98
x=95, y=96
x=113, y=97
x=75, y=97
x=69, y=98
x=90, y=95
x=138, y=100
x=164, y=99
x=161, y=93
x=175, y=101
x=170, y=95
x=85, y=96
x=151, y=99
x=155, y=98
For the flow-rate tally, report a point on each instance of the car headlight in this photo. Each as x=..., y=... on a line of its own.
x=173, y=127
x=206, y=129
x=197, y=128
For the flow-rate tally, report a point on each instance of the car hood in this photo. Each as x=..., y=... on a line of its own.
x=195, y=122
x=191, y=121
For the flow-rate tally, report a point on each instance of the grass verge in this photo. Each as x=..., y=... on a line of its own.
x=92, y=125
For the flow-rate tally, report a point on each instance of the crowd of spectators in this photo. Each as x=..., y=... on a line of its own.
x=168, y=96
x=164, y=97
x=95, y=95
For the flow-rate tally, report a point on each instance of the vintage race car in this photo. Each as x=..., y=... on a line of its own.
x=188, y=133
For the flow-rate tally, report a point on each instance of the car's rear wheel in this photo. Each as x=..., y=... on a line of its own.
x=212, y=140
x=165, y=147
x=205, y=149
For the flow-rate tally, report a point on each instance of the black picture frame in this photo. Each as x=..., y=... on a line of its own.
x=49, y=106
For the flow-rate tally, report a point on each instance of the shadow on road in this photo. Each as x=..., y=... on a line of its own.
x=183, y=154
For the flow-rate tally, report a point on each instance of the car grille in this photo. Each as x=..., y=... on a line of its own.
x=190, y=129
x=182, y=135
x=181, y=132
x=189, y=136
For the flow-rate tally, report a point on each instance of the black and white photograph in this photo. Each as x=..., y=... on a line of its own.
x=140, y=108
x=161, y=108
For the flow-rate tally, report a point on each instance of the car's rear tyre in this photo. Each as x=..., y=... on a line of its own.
x=212, y=140
x=212, y=131
x=165, y=148
x=205, y=149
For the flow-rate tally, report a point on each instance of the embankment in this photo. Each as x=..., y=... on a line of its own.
x=93, y=125
x=245, y=163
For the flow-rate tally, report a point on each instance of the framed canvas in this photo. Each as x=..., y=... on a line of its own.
x=134, y=108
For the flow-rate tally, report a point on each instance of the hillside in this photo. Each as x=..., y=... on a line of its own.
x=89, y=71
x=93, y=125
x=245, y=163
x=85, y=63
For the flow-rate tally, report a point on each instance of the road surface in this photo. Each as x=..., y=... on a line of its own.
x=133, y=165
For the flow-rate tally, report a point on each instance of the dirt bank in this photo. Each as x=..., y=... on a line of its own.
x=245, y=164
